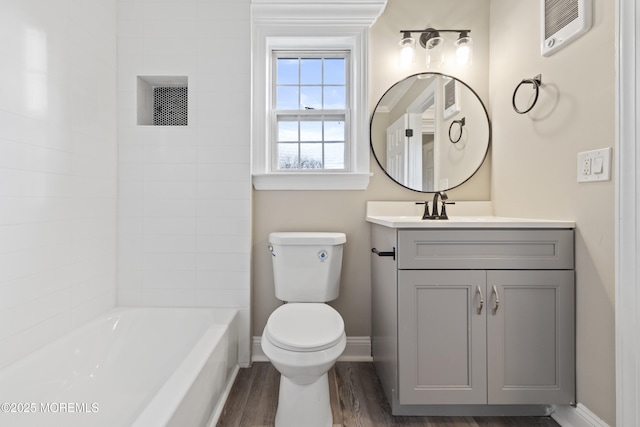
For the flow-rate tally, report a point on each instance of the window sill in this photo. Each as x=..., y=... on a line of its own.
x=311, y=181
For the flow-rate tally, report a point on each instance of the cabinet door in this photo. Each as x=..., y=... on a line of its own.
x=441, y=337
x=530, y=337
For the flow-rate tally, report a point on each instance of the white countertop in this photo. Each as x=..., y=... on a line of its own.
x=461, y=215
x=398, y=221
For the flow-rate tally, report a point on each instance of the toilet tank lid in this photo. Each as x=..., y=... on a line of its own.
x=307, y=238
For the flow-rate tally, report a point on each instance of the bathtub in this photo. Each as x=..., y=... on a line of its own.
x=133, y=367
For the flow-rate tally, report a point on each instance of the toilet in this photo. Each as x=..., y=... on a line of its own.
x=304, y=337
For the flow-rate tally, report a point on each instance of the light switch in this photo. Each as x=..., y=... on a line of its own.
x=594, y=165
x=597, y=165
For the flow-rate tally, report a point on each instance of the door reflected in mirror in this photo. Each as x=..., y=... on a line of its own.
x=430, y=132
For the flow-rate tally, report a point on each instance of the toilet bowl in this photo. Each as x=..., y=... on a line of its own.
x=303, y=341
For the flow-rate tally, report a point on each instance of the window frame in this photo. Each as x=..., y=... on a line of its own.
x=308, y=25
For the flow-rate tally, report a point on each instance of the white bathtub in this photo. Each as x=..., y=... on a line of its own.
x=140, y=367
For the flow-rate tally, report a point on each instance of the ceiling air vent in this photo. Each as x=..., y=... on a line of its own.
x=563, y=21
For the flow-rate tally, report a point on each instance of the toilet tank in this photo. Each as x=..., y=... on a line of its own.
x=306, y=265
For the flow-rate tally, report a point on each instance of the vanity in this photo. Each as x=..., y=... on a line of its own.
x=474, y=315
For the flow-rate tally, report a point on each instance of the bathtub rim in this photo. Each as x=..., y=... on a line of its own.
x=159, y=411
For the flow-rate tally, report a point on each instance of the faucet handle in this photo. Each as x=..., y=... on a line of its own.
x=425, y=215
x=443, y=212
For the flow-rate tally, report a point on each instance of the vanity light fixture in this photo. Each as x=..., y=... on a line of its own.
x=433, y=43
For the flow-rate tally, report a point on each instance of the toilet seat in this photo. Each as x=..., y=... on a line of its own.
x=305, y=327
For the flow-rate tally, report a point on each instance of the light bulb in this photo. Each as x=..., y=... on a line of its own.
x=464, y=49
x=435, y=52
x=407, y=50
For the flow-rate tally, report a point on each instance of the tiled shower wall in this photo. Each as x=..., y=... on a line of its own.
x=184, y=191
x=57, y=168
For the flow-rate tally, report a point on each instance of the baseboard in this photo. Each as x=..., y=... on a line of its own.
x=358, y=350
x=578, y=416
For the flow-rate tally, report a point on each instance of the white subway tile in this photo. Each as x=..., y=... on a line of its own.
x=223, y=244
x=179, y=226
x=222, y=280
x=129, y=279
x=223, y=262
x=170, y=190
x=179, y=279
x=153, y=243
x=170, y=154
x=170, y=208
x=222, y=298
x=129, y=297
x=168, y=261
x=239, y=227
x=170, y=172
x=25, y=316
x=169, y=297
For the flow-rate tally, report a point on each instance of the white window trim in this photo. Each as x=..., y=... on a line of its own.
x=311, y=24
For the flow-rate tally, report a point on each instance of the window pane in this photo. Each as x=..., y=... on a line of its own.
x=310, y=130
x=311, y=156
x=334, y=72
x=287, y=98
x=334, y=98
x=287, y=71
x=287, y=156
x=334, y=156
x=288, y=131
x=334, y=131
x=311, y=71
x=311, y=97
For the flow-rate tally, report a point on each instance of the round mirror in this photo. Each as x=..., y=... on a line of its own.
x=430, y=132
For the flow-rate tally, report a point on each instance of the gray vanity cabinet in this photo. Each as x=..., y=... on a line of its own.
x=482, y=318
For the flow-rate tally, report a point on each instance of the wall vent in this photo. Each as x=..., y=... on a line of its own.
x=563, y=21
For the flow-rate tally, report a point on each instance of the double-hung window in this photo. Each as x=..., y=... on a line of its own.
x=310, y=111
x=310, y=119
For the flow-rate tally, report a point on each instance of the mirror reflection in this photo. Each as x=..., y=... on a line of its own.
x=430, y=132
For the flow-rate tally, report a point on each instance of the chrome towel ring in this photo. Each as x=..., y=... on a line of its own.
x=460, y=123
x=536, y=82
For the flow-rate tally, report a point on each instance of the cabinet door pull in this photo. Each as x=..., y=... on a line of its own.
x=479, y=291
x=391, y=254
x=495, y=307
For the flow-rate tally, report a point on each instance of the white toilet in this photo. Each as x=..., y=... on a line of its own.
x=304, y=338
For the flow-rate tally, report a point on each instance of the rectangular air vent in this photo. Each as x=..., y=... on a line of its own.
x=563, y=21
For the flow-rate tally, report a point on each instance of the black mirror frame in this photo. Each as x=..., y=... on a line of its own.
x=416, y=76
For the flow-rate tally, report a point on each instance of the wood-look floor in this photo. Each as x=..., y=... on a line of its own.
x=357, y=400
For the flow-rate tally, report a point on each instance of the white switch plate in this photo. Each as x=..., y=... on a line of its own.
x=594, y=165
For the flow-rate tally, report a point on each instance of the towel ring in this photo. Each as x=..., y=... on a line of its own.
x=536, y=82
x=459, y=123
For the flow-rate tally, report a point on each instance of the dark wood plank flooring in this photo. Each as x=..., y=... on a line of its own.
x=357, y=400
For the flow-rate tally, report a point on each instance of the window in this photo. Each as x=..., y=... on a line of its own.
x=310, y=119
x=310, y=111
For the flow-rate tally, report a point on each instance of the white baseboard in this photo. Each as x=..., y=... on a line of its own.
x=579, y=416
x=358, y=350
